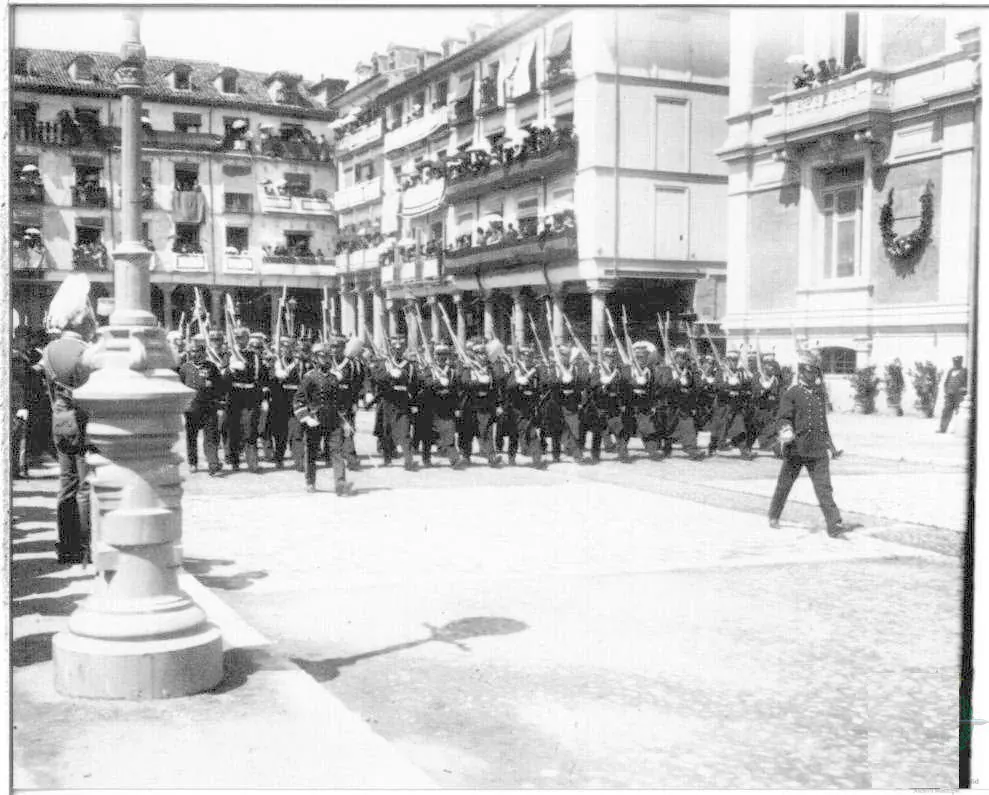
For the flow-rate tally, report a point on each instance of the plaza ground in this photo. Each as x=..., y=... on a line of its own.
x=608, y=626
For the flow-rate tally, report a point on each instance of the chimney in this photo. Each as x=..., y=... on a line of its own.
x=478, y=31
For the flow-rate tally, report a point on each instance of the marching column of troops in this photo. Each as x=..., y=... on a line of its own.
x=257, y=400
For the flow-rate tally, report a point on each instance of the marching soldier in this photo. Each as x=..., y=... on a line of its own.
x=286, y=375
x=523, y=395
x=483, y=388
x=346, y=357
x=439, y=401
x=204, y=376
x=734, y=388
x=680, y=417
x=396, y=386
x=247, y=379
x=319, y=410
x=567, y=388
x=642, y=385
x=706, y=394
x=767, y=391
x=611, y=400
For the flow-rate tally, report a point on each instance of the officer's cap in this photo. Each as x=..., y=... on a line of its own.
x=808, y=359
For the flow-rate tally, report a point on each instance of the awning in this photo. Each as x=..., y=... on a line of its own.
x=89, y=223
x=465, y=89
x=520, y=73
x=561, y=41
x=87, y=160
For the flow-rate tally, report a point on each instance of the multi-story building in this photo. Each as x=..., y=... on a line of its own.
x=238, y=178
x=568, y=156
x=853, y=171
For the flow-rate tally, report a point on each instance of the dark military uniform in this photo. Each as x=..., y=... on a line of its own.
x=396, y=390
x=201, y=415
x=734, y=389
x=439, y=401
x=804, y=410
x=319, y=398
x=482, y=397
x=567, y=391
x=523, y=396
x=244, y=411
x=642, y=403
x=610, y=395
x=680, y=416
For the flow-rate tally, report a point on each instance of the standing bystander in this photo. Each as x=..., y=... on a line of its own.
x=955, y=389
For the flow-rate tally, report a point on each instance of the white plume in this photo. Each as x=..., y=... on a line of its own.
x=70, y=306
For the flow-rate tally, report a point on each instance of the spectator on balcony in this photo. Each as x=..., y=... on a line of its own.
x=68, y=129
x=325, y=149
x=511, y=234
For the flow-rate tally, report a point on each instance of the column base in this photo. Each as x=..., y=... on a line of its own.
x=137, y=670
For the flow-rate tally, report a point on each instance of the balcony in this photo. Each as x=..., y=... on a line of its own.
x=32, y=259
x=238, y=263
x=363, y=136
x=297, y=266
x=533, y=164
x=511, y=254
x=387, y=274
x=423, y=198
x=461, y=113
x=27, y=191
x=62, y=133
x=861, y=98
x=191, y=262
x=172, y=139
x=558, y=73
x=358, y=194
x=90, y=197
x=417, y=129
x=489, y=97
x=90, y=258
x=362, y=259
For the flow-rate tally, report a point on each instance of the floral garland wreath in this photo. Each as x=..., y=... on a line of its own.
x=904, y=250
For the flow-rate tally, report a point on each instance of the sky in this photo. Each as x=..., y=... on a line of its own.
x=316, y=41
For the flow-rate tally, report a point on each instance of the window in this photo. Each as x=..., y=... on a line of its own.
x=88, y=118
x=348, y=177
x=145, y=230
x=418, y=104
x=365, y=171
x=187, y=239
x=228, y=83
x=851, y=38
x=187, y=122
x=298, y=184
x=396, y=115
x=527, y=214
x=841, y=221
x=442, y=89
x=298, y=243
x=237, y=237
x=838, y=361
x=182, y=78
x=88, y=235
x=186, y=176
x=82, y=68
x=670, y=134
x=237, y=202
x=230, y=131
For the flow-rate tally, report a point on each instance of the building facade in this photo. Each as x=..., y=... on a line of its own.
x=853, y=185
x=566, y=158
x=238, y=178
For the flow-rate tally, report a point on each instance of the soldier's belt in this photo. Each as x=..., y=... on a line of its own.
x=290, y=387
x=400, y=389
x=244, y=386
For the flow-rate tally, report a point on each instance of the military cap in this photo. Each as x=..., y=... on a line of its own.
x=808, y=359
x=216, y=336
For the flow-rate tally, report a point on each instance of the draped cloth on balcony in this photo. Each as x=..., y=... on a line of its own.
x=188, y=207
x=520, y=72
x=465, y=88
x=561, y=41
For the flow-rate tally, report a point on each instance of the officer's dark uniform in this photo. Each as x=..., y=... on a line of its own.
x=680, y=423
x=396, y=391
x=955, y=387
x=244, y=412
x=523, y=395
x=202, y=375
x=482, y=396
x=567, y=391
x=318, y=397
x=439, y=400
x=804, y=410
x=734, y=390
x=282, y=386
x=642, y=403
x=610, y=390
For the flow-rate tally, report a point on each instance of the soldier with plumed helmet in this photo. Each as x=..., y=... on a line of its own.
x=439, y=401
x=396, y=384
x=524, y=390
x=204, y=377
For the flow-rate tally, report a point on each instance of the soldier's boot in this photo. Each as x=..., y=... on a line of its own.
x=454, y=458
x=409, y=463
x=667, y=448
x=494, y=459
x=652, y=450
x=622, y=446
x=609, y=443
x=251, y=454
x=538, y=462
x=343, y=488
x=511, y=459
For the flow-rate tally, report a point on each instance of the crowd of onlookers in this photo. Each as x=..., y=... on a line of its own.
x=826, y=72
x=90, y=256
x=539, y=142
x=353, y=243
x=496, y=233
x=300, y=250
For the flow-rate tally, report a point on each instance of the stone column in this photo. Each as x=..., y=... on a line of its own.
x=435, y=322
x=458, y=304
x=377, y=319
x=489, y=310
x=558, y=317
x=599, y=331
x=216, y=307
x=361, y=312
x=275, y=296
x=392, y=318
x=348, y=312
x=518, y=316
x=411, y=327
x=138, y=635
x=166, y=306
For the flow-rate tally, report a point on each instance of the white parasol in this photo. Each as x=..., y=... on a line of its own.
x=240, y=124
x=30, y=168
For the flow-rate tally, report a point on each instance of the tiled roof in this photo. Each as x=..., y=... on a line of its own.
x=49, y=70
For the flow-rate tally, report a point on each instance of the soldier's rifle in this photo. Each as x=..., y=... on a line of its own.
x=692, y=342
x=236, y=357
x=637, y=370
x=623, y=354
x=465, y=359
x=714, y=348
x=576, y=340
x=325, y=314
x=539, y=342
x=202, y=321
x=561, y=370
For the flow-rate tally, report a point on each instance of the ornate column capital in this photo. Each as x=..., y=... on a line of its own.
x=600, y=285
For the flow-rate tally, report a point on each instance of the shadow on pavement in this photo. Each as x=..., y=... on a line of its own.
x=31, y=649
x=454, y=633
x=200, y=569
x=240, y=664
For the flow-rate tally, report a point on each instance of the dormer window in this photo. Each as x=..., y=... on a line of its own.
x=182, y=78
x=227, y=82
x=82, y=68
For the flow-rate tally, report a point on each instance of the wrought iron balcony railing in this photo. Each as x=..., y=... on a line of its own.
x=92, y=197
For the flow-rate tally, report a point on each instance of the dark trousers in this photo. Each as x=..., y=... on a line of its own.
x=444, y=431
x=479, y=423
x=680, y=427
x=72, y=512
x=612, y=424
x=645, y=427
x=522, y=431
x=202, y=418
x=729, y=425
x=243, y=420
x=396, y=432
x=333, y=439
x=571, y=438
x=279, y=412
x=819, y=470
x=18, y=447
x=951, y=404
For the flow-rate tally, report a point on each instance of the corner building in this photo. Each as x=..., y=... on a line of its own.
x=238, y=180
x=829, y=241
x=620, y=112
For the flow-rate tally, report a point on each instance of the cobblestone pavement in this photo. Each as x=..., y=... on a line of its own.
x=609, y=626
